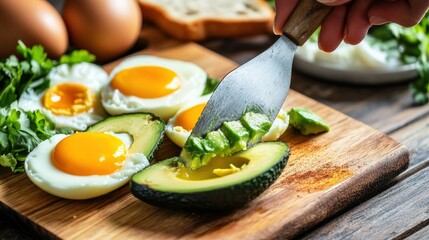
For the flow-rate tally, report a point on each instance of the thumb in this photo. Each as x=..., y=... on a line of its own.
x=333, y=2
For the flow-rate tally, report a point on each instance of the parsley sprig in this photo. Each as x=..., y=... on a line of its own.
x=21, y=131
x=16, y=76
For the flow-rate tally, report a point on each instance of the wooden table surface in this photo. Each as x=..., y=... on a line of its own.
x=398, y=210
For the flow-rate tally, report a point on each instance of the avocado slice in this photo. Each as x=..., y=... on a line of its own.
x=146, y=130
x=306, y=121
x=170, y=184
x=215, y=142
x=240, y=134
x=257, y=125
x=237, y=135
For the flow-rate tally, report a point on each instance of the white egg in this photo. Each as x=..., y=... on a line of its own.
x=63, y=81
x=41, y=170
x=279, y=126
x=152, y=84
x=189, y=113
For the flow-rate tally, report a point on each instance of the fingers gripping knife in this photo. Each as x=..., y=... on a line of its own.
x=262, y=84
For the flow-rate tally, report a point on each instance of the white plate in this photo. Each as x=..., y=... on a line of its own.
x=340, y=73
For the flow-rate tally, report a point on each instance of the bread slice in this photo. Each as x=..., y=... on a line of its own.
x=195, y=20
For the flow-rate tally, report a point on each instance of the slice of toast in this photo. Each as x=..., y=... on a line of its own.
x=195, y=20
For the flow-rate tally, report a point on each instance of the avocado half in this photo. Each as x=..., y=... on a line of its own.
x=169, y=184
x=146, y=129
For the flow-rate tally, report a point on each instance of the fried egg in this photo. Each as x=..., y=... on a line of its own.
x=73, y=97
x=180, y=126
x=83, y=165
x=152, y=84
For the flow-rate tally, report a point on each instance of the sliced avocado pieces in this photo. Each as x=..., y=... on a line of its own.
x=216, y=142
x=257, y=125
x=232, y=137
x=169, y=184
x=306, y=121
x=237, y=135
x=146, y=130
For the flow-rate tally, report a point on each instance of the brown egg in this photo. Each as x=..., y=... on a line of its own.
x=33, y=22
x=105, y=28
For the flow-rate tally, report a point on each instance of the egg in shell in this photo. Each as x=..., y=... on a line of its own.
x=34, y=23
x=73, y=97
x=83, y=165
x=152, y=84
x=180, y=126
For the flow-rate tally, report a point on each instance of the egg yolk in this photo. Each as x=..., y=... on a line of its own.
x=89, y=153
x=69, y=99
x=188, y=118
x=146, y=81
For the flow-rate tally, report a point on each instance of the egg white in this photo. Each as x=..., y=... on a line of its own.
x=88, y=74
x=360, y=56
x=193, y=83
x=279, y=126
x=41, y=171
x=179, y=135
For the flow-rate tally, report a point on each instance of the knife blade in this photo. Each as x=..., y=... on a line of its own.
x=261, y=85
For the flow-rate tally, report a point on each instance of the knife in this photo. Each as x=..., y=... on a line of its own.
x=261, y=85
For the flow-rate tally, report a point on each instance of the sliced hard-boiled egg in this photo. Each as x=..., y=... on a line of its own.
x=180, y=126
x=152, y=84
x=73, y=97
x=83, y=165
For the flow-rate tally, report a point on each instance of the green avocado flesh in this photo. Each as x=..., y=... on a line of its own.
x=146, y=130
x=172, y=185
x=232, y=137
x=307, y=122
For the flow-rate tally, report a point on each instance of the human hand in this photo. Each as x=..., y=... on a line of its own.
x=349, y=20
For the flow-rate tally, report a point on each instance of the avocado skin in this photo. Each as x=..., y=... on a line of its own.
x=226, y=198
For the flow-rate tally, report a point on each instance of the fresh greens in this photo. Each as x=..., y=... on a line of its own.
x=211, y=84
x=20, y=132
x=16, y=76
x=410, y=45
x=77, y=56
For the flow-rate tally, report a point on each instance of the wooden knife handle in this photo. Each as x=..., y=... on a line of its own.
x=304, y=20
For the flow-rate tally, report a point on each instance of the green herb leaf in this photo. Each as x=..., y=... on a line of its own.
x=20, y=132
x=8, y=160
x=77, y=56
x=211, y=84
x=41, y=125
x=420, y=87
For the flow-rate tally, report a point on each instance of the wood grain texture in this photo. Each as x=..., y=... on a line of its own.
x=397, y=211
x=421, y=234
x=382, y=217
x=325, y=174
x=415, y=137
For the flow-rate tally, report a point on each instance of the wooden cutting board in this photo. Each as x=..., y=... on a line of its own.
x=325, y=173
